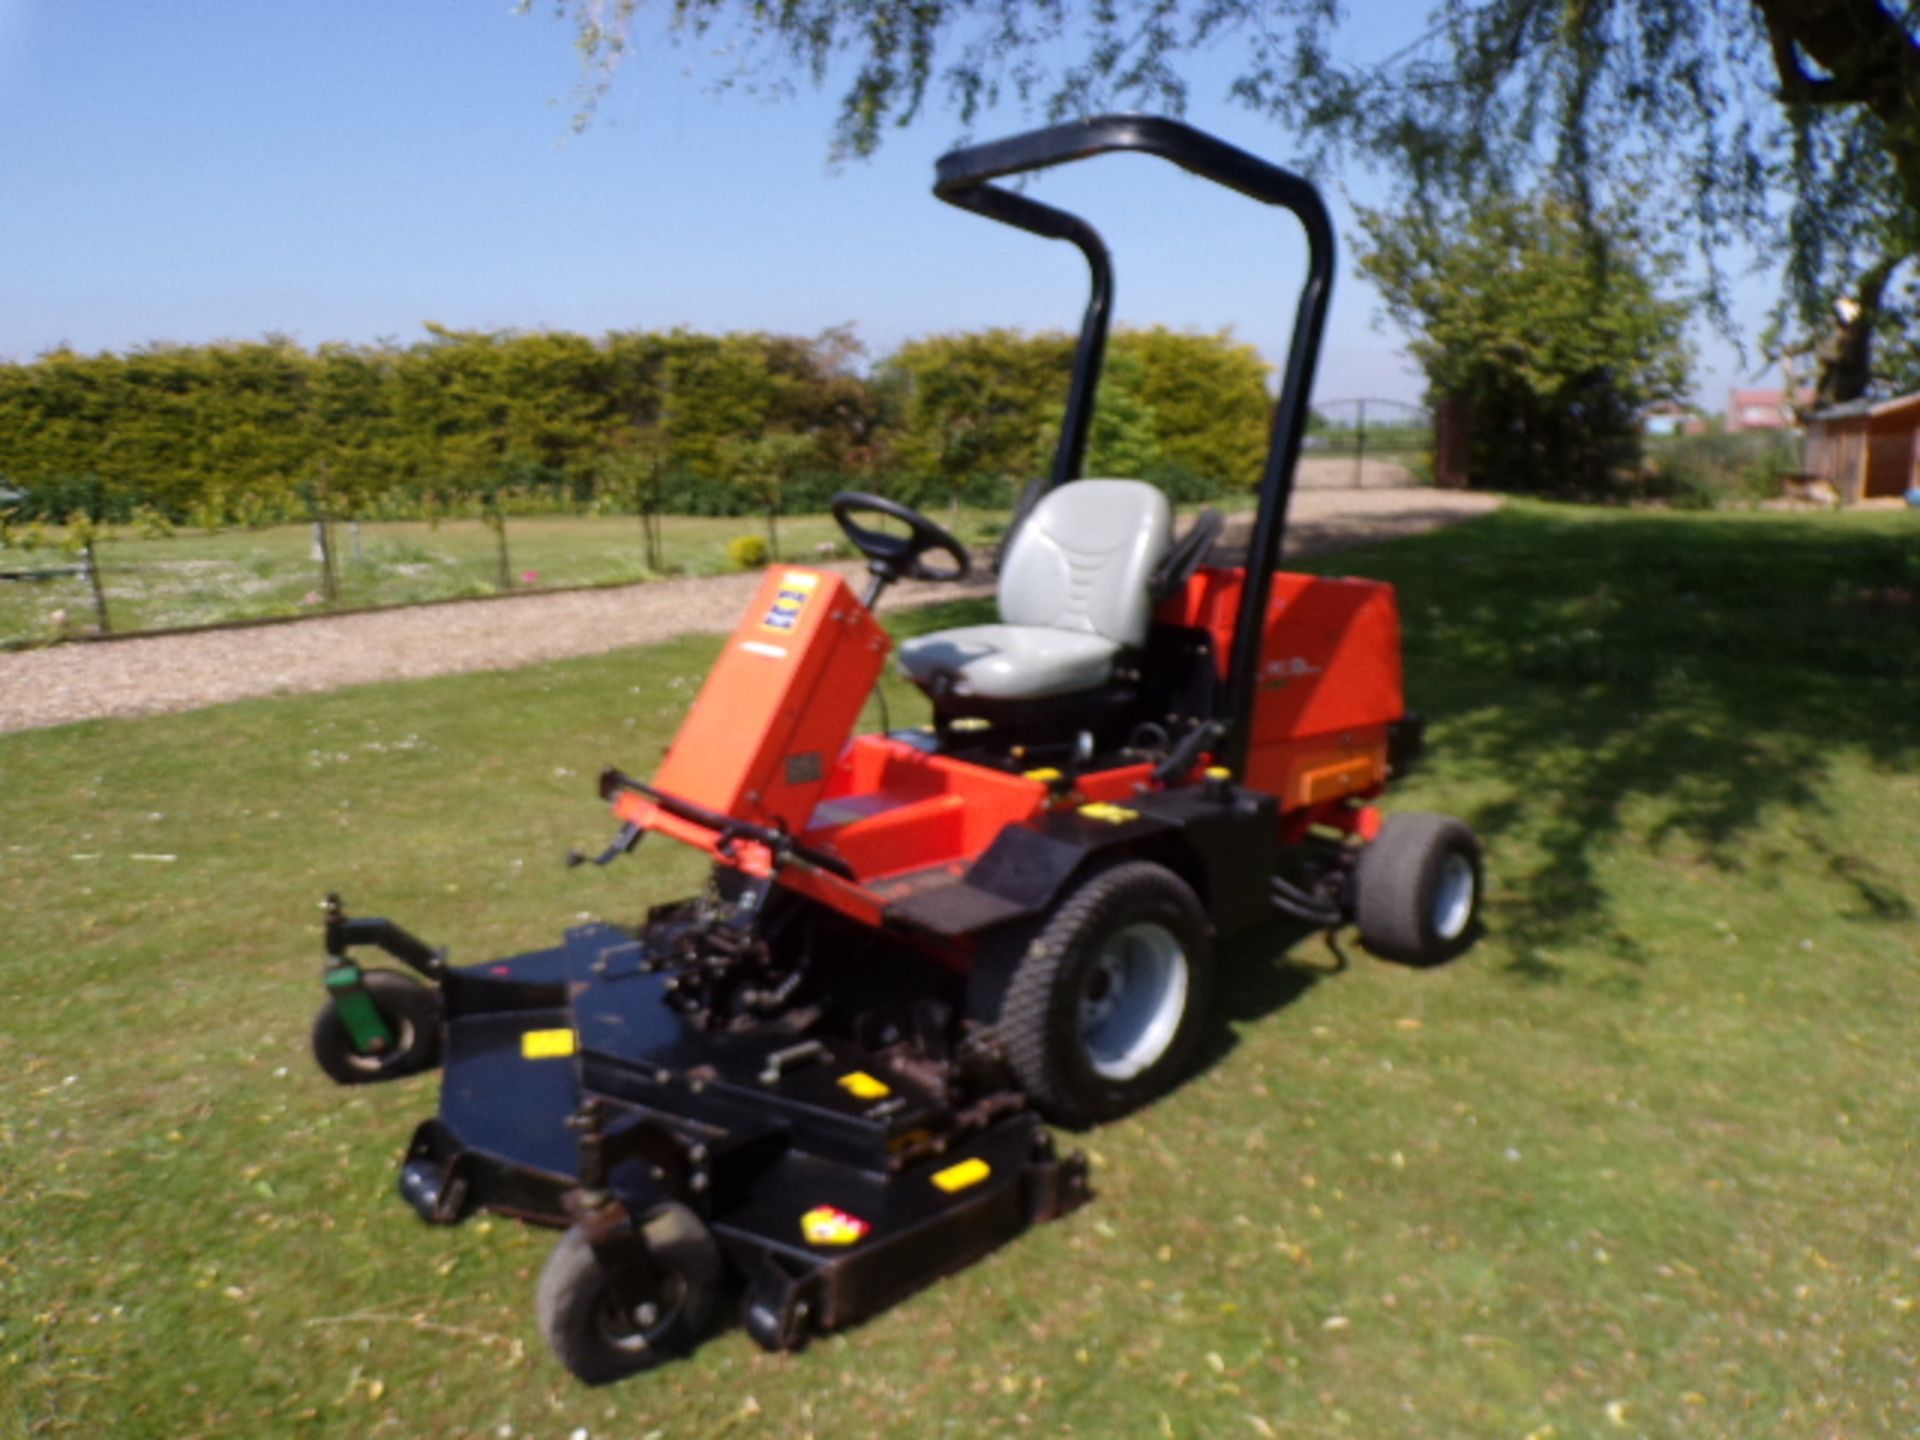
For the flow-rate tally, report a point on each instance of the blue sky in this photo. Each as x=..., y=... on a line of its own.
x=212, y=169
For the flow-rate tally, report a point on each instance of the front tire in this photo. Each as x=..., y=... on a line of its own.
x=412, y=1012
x=600, y=1338
x=1105, y=1007
x=1417, y=890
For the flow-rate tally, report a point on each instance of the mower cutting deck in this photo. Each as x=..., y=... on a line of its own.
x=820, y=1083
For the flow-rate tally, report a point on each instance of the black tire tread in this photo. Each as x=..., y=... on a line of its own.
x=573, y=1286
x=1025, y=1026
x=399, y=998
x=1390, y=901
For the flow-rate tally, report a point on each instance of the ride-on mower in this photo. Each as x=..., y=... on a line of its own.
x=821, y=1082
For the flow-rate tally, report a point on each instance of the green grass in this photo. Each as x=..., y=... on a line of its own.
x=192, y=578
x=1639, y=1164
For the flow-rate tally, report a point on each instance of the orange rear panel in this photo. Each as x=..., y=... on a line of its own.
x=779, y=704
x=1330, y=680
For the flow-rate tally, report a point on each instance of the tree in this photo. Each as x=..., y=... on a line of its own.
x=1207, y=395
x=1844, y=317
x=981, y=406
x=635, y=467
x=1552, y=333
x=764, y=466
x=1685, y=104
x=1122, y=441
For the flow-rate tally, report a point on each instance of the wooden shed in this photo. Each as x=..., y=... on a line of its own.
x=1866, y=448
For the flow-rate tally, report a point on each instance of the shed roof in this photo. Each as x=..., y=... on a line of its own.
x=1870, y=409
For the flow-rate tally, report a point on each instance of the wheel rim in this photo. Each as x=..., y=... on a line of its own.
x=1453, y=897
x=1132, y=1000
x=640, y=1330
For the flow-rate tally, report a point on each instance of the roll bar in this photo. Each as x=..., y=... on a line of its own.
x=965, y=178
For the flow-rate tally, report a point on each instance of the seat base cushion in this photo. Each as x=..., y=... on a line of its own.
x=1009, y=662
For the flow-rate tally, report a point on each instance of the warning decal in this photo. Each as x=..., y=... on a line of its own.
x=546, y=1044
x=830, y=1225
x=796, y=588
x=863, y=1086
x=959, y=1177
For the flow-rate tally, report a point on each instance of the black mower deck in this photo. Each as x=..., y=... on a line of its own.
x=834, y=1177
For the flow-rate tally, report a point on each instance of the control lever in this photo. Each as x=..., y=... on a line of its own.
x=628, y=837
x=1187, y=753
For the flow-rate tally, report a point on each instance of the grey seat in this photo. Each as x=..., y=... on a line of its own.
x=1075, y=592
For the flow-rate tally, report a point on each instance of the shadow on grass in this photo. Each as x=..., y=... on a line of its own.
x=1256, y=974
x=1665, y=681
x=1604, y=679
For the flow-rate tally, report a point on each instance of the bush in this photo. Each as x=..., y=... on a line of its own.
x=152, y=524
x=1717, y=471
x=748, y=552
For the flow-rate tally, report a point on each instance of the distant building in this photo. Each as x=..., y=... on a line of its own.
x=1761, y=410
x=1866, y=448
x=1670, y=417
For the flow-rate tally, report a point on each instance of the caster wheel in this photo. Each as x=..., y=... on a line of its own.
x=412, y=1012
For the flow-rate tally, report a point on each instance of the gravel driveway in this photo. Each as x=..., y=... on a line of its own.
x=153, y=674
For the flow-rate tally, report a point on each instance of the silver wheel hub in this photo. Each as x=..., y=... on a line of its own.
x=374, y=1063
x=636, y=1330
x=1132, y=1000
x=1452, y=905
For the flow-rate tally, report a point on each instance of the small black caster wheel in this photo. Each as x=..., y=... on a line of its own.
x=606, y=1323
x=412, y=1012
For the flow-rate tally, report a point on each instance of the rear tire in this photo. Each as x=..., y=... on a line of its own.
x=1417, y=890
x=599, y=1339
x=412, y=1012
x=1105, y=1007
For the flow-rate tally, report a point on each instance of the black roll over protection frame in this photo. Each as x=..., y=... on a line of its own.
x=965, y=178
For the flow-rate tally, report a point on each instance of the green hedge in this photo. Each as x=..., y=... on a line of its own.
x=468, y=422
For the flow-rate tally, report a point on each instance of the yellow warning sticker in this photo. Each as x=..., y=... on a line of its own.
x=830, y=1225
x=959, y=1177
x=546, y=1044
x=863, y=1086
x=796, y=588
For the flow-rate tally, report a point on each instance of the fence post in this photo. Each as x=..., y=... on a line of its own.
x=90, y=562
x=497, y=519
x=323, y=542
x=1360, y=450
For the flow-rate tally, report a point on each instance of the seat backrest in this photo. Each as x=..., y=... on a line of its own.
x=1083, y=560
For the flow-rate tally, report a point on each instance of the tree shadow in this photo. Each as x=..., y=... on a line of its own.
x=1657, y=680
x=1597, y=679
x=1258, y=973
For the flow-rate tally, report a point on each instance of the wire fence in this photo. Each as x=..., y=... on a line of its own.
x=60, y=583
x=126, y=582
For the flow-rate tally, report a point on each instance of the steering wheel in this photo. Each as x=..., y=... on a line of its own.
x=893, y=556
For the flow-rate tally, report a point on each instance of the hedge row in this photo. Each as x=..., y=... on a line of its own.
x=682, y=422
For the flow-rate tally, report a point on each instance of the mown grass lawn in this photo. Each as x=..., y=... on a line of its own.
x=1640, y=1164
